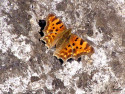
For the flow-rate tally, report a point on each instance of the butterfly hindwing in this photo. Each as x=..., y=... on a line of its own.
x=74, y=48
x=49, y=39
x=64, y=52
x=80, y=47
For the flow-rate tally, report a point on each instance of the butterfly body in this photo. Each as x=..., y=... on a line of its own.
x=64, y=37
x=68, y=45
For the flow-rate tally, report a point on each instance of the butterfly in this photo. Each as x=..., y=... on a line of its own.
x=67, y=44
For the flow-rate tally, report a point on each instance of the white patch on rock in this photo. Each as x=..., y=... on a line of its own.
x=47, y=68
x=49, y=82
x=101, y=77
x=10, y=41
x=21, y=50
x=122, y=91
x=99, y=58
x=35, y=74
x=4, y=5
x=70, y=69
x=97, y=36
x=120, y=7
x=17, y=84
x=110, y=44
x=15, y=7
x=102, y=80
x=37, y=84
x=79, y=91
x=58, y=1
x=120, y=1
x=53, y=6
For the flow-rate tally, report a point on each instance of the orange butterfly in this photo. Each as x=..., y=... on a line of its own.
x=68, y=45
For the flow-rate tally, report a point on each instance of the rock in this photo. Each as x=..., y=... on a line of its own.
x=27, y=66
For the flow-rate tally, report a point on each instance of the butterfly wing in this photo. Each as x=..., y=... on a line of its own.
x=80, y=47
x=73, y=48
x=64, y=51
x=52, y=30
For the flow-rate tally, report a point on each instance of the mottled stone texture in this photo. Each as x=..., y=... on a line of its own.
x=28, y=67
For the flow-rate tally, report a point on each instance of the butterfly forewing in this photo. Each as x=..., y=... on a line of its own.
x=52, y=30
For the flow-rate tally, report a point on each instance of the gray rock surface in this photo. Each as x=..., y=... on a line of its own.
x=26, y=67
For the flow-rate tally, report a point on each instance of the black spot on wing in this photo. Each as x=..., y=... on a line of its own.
x=73, y=44
x=76, y=39
x=53, y=36
x=61, y=26
x=81, y=42
x=76, y=47
x=68, y=45
x=59, y=22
